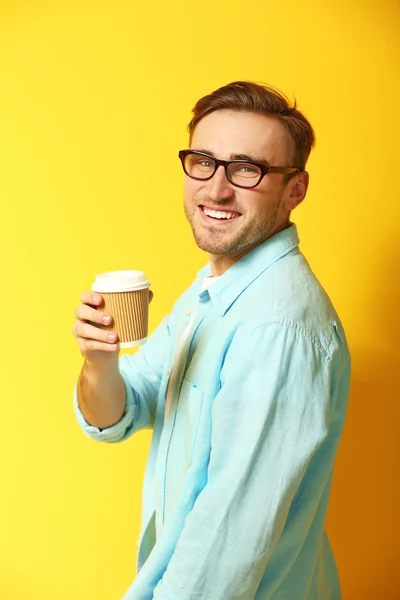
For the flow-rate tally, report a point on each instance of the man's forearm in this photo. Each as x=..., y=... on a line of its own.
x=101, y=394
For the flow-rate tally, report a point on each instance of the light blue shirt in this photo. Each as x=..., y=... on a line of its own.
x=240, y=466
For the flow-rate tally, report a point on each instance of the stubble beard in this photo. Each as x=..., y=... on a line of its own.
x=214, y=240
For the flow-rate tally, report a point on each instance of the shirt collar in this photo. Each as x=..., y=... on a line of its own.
x=225, y=291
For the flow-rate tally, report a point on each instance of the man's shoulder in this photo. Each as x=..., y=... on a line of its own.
x=289, y=293
x=298, y=292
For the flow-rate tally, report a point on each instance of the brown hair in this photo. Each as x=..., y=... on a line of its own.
x=247, y=96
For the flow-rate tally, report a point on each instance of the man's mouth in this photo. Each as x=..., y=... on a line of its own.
x=220, y=215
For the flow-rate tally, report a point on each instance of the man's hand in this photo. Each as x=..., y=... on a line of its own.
x=98, y=346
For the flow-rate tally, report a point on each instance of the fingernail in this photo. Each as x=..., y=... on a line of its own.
x=95, y=298
x=111, y=337
x=106, y=320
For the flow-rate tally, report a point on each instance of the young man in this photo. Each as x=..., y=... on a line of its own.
x=245, y=383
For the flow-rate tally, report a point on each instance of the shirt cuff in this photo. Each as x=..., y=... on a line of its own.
x=117, y=432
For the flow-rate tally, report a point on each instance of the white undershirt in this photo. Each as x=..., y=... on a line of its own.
x=207, y=281
x=205, y=284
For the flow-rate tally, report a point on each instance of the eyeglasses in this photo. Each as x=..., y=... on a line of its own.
x=242, y=173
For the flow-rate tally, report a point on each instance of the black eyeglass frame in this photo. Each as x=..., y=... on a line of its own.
x=225, y=163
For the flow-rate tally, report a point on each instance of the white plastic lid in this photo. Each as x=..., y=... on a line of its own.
x=120, y=281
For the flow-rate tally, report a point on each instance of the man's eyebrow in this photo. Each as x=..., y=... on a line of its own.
x=256, y=159
x=204, y=151
x=248, y=157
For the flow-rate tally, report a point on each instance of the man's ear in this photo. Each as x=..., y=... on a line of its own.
x=297, y=190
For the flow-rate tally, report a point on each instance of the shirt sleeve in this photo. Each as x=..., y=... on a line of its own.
x=142, y=374
x=271, y=415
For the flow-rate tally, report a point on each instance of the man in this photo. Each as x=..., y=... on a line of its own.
x=245, y=383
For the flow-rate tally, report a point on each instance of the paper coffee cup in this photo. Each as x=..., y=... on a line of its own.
x=126, y=299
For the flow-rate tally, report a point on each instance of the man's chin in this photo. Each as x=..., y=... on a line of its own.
x=216, y=242
x=220, y=248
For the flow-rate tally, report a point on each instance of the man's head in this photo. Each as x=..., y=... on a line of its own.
x=244, y=121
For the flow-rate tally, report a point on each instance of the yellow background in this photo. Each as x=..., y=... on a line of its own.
x=94, y=97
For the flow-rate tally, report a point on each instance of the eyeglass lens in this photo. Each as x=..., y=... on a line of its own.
x=203, y=167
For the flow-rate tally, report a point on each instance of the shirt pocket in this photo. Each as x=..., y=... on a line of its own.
x=187, y=420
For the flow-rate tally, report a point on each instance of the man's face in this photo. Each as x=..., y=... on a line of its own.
x=259, y=212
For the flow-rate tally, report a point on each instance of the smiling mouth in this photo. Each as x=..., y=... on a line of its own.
x=219, y=215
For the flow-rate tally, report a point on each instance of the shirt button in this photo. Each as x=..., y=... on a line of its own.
x=187, y=312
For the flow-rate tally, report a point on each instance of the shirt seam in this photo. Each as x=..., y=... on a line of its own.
x=290, y=323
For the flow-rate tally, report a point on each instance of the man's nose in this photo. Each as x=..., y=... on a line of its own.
x=219, y=187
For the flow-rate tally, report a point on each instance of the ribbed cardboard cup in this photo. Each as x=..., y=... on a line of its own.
x=126, y=299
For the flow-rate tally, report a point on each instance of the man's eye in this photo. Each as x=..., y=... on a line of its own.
x=248, y=169
x=244, y=170
x=204, y=163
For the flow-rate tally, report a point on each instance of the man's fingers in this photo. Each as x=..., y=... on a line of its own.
x=87, y=313
x=91, y=332
x=91, y=298
x=87, y=346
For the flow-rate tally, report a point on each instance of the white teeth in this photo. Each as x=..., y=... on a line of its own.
x=218, y=214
